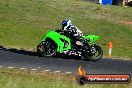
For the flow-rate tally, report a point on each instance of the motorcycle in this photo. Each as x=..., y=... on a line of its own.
x=58, y=42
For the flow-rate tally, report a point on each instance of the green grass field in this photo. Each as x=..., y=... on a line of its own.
x=24, y=22
x=26, y=79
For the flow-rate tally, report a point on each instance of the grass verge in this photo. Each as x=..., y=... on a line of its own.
x=29, y=79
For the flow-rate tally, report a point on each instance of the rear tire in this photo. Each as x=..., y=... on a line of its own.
x=47, y=48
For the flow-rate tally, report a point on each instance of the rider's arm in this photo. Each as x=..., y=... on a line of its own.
x=77, y=32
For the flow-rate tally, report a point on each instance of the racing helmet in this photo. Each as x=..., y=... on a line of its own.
x=66, y=23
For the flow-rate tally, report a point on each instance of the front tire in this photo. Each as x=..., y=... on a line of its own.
x=97, y=55
x=47, y=48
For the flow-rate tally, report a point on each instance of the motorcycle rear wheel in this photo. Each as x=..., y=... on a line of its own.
x=47, y=49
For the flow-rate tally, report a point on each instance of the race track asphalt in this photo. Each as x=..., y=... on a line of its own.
x=27, y=59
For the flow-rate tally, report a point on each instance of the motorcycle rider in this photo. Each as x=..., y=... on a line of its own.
x=75, y=32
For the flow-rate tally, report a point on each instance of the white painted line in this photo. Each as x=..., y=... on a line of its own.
x=1, y=66
x=125, y=59
x=47, y=70
x=68, y=72
x=34, y=69
x=57, y=71
x=11, y=67
x=22, y=68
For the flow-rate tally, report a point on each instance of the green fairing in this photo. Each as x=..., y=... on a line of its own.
x=60, y=44
x=93, y=38
x=56, y=38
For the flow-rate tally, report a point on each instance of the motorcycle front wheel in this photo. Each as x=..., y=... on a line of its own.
x=94, y=54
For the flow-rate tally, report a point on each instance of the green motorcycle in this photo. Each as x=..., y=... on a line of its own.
x=57, y=42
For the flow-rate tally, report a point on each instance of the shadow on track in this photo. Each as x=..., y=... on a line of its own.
x=24, y=52
x=31, y=53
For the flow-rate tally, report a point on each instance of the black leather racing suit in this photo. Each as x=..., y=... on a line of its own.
x=75, y=33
